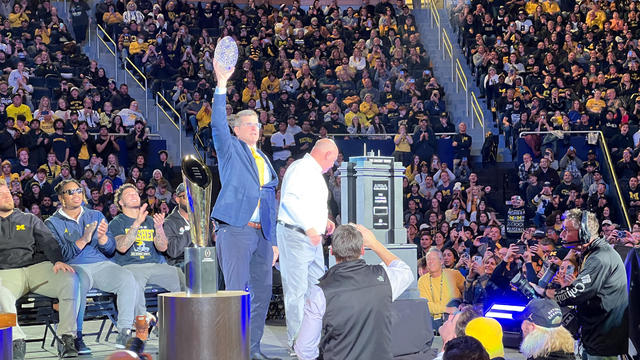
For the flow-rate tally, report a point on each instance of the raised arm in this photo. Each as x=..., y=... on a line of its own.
x=219, y=125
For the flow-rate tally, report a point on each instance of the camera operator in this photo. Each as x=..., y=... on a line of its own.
x=599, y=290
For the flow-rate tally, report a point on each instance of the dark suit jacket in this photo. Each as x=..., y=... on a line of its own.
x=241, y=190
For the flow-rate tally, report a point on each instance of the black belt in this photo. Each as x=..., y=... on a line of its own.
x=293, y=227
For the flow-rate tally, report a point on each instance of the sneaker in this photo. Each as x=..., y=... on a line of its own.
x=67, y=347
x=123, y=337
x=19, y=349
x=82, y=348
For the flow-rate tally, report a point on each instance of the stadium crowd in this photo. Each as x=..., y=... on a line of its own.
x=310, y=74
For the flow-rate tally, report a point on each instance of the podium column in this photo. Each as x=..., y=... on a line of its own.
x=204, y=326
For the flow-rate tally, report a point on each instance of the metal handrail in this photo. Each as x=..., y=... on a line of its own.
x=105, y=32
x=434, y=11
x=177, y=126
x=444, y=43
x=478, y=110
x=447, y=42
x=608, y=159
x=144, y=87
x=197, y=136
x=170, y=107
x=112, y=134
x=465, y=82
x=113, y=52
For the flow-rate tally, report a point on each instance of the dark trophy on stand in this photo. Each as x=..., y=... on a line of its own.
x=200, y=261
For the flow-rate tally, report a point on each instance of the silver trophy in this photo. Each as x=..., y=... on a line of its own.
x=200, y=261
x=226, y=52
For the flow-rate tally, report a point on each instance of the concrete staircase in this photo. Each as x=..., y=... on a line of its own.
x=455, y=96
x=178, y=144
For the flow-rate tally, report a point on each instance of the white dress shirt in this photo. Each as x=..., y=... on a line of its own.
x=306, y=346
x=304, y=195
x=280, y=139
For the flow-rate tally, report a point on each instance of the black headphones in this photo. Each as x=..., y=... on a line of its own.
x=584, y=235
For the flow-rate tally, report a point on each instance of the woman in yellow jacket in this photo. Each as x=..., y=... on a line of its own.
x=17, y=16
x=368, y=108
x=250, y=92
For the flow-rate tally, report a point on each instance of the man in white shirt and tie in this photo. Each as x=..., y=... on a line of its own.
x=302, y=219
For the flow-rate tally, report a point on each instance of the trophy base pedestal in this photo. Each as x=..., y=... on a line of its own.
x=201, y=267
x=206, y=326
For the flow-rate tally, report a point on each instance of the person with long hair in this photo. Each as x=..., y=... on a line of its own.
x=412, y=169
x=544, y=337
x=45, y=115
x=450, y=257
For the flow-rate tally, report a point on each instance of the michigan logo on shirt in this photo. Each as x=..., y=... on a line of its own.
x=141, y=248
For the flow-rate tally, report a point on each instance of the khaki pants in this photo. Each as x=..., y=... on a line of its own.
x=41, y=279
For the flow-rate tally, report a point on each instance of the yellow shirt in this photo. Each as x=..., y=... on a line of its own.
x=246, y=95
x=44, y=34
x=369, y=110
x=348, y=119
x=441, y=290
x=530, y=7
x=23, y=109
x=595, y=106
x=403, y=145
x=47, y=126
x=204, y=117
x=268, y=129
x=272, y=87
x=15, y=20
x=550, y=7
x=52, y=171
x=135, y=47
x=599, y=19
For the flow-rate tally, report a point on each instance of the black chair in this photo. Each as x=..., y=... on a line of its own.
x=39, y=92
x=190, y=85
x=37, y=81
x=101, y=305
x=34, y=309
x=52, y=81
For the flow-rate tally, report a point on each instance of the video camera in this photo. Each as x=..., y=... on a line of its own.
x=521, y=282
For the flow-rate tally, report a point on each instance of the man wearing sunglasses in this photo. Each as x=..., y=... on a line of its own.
x=87, y=244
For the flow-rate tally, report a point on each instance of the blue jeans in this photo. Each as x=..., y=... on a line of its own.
x=301, y=265
x=246, y=257
x=194, y=123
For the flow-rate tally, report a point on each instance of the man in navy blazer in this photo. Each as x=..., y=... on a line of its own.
x=244, y=209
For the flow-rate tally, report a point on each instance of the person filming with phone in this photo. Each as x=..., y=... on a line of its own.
x=599, y=290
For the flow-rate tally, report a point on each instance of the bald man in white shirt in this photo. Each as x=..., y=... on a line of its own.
x=302, y=221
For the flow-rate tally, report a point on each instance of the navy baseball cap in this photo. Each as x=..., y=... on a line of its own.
x=542, y=312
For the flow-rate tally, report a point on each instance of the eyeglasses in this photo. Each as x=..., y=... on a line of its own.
x=256, y=124
x=73, y=191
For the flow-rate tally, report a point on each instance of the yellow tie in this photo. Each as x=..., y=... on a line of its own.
x=259, y=164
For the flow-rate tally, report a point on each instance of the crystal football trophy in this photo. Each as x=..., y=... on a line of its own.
x=226, y=52
x=200, y=260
